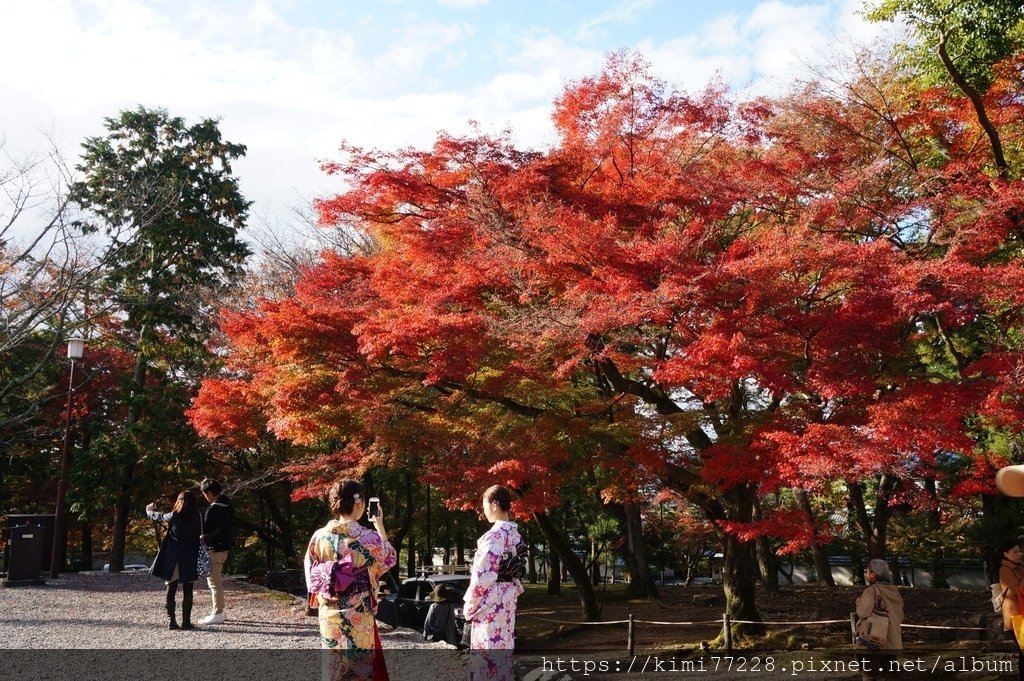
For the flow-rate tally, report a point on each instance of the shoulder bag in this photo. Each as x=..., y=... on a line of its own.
x=873, y=629
x=204, y=564
x=998, y=594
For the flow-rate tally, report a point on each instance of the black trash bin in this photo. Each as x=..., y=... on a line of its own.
x=46, y=521
x=24, y=553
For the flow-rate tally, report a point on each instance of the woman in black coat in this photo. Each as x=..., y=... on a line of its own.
x=179, y=552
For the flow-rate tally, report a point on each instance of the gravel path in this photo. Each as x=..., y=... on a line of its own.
x=126, y=611
x=101, y=611
x=267, y=636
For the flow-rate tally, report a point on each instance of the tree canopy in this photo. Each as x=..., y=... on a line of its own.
x=723, y=298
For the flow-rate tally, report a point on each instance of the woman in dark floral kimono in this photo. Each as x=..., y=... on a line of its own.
x=343, y=563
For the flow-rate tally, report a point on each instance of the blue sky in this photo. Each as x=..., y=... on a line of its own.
x=291, y=79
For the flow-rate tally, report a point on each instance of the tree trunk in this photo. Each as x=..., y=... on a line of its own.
x=739, y=570
x=821, y=564
x=767, y=564
x=410, y=557
x=738, y=578
x=86, y=558
x=640, y=585
x=988, y=520
x=857, y=565
x=766, y=561
x=978, y=102
x=428, y=547
x=554, y=574
x=285, y=533
x=531, y=548
x=123, y=503
x=460, y=544
x=560, y=545
x=398, y=536
x=595, y=567
x=938, y=562
x=874, y=531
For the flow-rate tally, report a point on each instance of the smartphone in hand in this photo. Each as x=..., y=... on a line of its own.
x=373, y=507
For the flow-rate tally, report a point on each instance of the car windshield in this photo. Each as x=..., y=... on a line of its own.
x=420, y=588
x=460, y=584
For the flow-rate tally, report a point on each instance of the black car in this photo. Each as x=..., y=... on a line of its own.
x=414, y=599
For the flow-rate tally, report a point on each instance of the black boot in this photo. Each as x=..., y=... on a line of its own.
x=172, y=588
x=186, y=606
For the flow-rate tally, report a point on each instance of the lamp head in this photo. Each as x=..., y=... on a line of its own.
x=76, y=348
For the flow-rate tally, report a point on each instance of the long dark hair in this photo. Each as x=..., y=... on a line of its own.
x=186, y=507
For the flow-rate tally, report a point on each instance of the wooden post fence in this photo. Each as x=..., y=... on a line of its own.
x=726, y=632
x=630, y=636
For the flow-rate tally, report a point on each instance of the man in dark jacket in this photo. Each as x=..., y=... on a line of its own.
x=218, y=529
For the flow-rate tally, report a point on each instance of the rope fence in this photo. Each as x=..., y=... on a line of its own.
x=546, y=619
x=727, y=623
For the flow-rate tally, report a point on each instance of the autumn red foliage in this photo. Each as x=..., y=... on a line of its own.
x=724, y=299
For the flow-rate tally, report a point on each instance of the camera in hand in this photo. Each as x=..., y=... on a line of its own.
x=373, y=507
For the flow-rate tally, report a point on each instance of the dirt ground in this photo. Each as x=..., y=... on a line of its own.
x=931, y=607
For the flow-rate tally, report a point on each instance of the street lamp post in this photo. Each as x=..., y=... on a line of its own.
x=76, y=350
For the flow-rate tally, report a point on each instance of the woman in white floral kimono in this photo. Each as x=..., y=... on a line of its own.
x=490, y=602
x=343, y=563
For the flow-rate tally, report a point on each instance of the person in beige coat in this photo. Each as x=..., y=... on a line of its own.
x=1011, y=579
x=880, y=590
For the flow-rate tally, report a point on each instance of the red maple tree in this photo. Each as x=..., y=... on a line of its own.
x=725, y=298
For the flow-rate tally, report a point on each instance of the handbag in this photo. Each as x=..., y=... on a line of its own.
x=998, y=594
x=204, y=564
x=467, y=635
x=873, y=629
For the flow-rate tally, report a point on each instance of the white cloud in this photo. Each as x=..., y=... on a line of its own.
x=721, y=34
x=291, y=90
x=683, y=63
x=785, y=36
x=408, y=54
x=624, y=11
